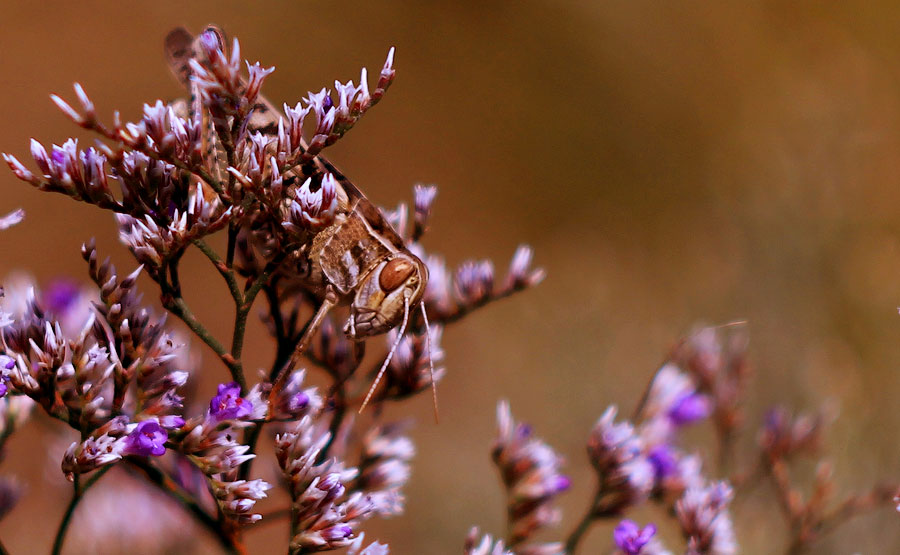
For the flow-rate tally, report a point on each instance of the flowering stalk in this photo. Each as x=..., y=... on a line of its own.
x=78, y=491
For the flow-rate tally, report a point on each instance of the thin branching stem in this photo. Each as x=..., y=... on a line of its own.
x=223, y=269
x=159, y=479
x=78, y=491
x=584, y=524
x=178, y=307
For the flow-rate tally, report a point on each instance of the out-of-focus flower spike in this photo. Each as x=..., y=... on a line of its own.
x=89, y=113
x=485, y=546
x=530, y=470
x=705, y=521
x=374, y=548
x=624, y=472
x=67, y=110
x=474, y=281
x=11, y=219
x=423, y=196
x=521, y=274
x=631, y=538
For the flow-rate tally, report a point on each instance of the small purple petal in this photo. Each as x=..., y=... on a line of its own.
x=148, y=438
x=663, y=460
x=689, y=408
x=4, y=389
x=298, y=402
x=339, y=532
x=7, y=363
x=630, y=538
x=61, y=294
x=171, y=421
x=228, y=404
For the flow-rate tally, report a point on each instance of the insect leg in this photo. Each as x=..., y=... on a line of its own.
x=328, y=303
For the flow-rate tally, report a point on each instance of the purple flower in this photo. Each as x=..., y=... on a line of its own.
x=336, y=533
x=663, y=460
x=61, y=295
x=298, y=402
x=689, y=408
x=6, y=364
x=228, y=403
x=630, y=538
x=530, y=470
x=148, y=438
x=562, y=483
x=171, y=421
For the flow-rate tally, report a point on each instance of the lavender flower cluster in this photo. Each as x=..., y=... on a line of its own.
x=107, y=366
x=104, y=363
x=643, y=460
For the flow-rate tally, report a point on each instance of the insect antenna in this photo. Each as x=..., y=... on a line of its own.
x=430, y=362
x=390, y=354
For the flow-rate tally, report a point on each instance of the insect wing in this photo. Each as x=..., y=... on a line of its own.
x=351, y=251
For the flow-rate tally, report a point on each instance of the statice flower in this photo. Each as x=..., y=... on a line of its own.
x=625, y=475
x=716, y=359
x=15, y=410
x=212, y=446
x=69, y=302
x=486, y=545
x=631, y=538
x=147, y=439
x=295, y=401
x=314, y=209
x=409, y=370
x=228, y=404
x=705, y=521
x=785, y=435
x=451, y=295
x=6, y=365
x=672, y=402
x=323, y=516
x=11, y=219
x=374, y=548
x=530, y=470
x=384, y=467
x=106, y=445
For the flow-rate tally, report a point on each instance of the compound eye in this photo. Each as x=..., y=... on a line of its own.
x=394, y=274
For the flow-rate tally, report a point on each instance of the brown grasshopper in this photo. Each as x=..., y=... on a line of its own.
x=359, y=260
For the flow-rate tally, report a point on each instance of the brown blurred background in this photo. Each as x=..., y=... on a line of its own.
x=670, y=162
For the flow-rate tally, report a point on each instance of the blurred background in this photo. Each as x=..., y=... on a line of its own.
x=670, y=162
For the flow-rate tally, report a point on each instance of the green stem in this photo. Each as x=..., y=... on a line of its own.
x=179, y=308
x=223, y=269
x=77, y=494
x=283, y=352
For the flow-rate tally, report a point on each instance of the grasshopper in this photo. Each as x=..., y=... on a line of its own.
x=358, y=261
